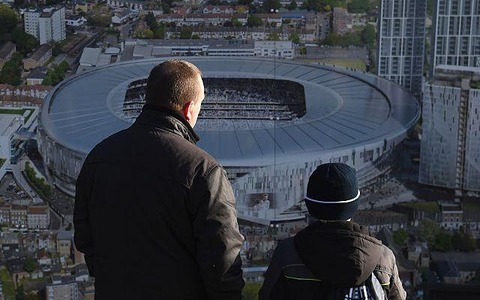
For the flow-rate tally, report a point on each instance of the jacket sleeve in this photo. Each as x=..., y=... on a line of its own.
x=81, y=219
x=396, y=287
x=217, y=237
x=387, y=273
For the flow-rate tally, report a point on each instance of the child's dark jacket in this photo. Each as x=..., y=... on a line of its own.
x=339, y=253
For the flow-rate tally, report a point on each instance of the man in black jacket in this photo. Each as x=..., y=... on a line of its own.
x=154, y=214
x=333, y=251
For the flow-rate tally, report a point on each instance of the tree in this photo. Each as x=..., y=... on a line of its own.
x=295, y=38
x=358, y=6
x=151, y=21
x=254, y=21
x=8, y=21
x=11, y=71
x=30, y=264
x=25, y=42
x=368, y=35
x=186, y=33
x=292, y=6
x=427, y=230
x=269, y=5
x=159, y=33
x=442, y=242
x=400, y=237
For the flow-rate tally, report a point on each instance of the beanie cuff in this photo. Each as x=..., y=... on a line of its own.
x=334, y=202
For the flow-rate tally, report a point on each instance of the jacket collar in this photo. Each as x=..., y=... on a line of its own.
x=167, y=119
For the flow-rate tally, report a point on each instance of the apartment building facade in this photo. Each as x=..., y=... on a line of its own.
x=46, y=25
x=401, y=41
x=450, y=145
x=456, y=33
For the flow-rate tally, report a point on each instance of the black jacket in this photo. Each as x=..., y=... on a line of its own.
x=339, y=253
x=155, y=215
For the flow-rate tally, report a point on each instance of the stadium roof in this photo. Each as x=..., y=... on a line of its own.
x=343, y=108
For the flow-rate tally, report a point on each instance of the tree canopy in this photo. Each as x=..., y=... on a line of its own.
x=8, y=22
x=358, y=6
x=254, y=21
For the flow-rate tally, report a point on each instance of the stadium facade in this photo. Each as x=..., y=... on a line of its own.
x=269, y=122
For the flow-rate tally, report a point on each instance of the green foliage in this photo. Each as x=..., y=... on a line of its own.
x=358, y=6
x=12, y=71
x=348, y=39
x=273, y=36
x=427, y=230
x=269, y=5
x=442, y=242
x=159, y=33
x=8, y=22
x=250, y=291
x=322, y=5
x=369, y=35
x=166, y=8
x=8, y=288
x=254, y=21
x=43, y=188
x=430, y=7
x=186, y=33
x=57, y=74
x=295, y=38
x=292, y=6
x=100, y=21
x=151, y=21
x=463, y=242
x=400, y=237
x=25, y=42
x=30, y=264
x=144, y=33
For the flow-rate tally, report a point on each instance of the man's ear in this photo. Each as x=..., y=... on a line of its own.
x=186, y=110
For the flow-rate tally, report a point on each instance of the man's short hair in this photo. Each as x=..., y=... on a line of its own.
x=172, y=84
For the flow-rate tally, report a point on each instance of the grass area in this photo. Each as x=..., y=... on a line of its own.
x=430, y=206
x=7, y=282
x=13, y=111
x=250, y=291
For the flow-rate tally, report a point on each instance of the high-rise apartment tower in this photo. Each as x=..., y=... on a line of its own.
x=456, y=33
x=401, y=42
x=46, y=25
x=450, y=145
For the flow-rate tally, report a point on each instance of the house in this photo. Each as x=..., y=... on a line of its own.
x=36, y=76
x=7, y=50
x=38, y=216
x=64, y=243
x=451, y=214
x=38, y=58
x=121, y=15
x=75, y=20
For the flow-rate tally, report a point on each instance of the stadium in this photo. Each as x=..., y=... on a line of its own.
x=269, y=122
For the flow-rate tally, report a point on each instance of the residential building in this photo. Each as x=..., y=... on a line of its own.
x=7, y=50
x=64, y=243
x=136, y=5
x=46, y=25
x=450, y=144
x=456, y=33
x=61, y=287
x=38, y=216
x=75, y=20
x=18, y=216
x=38, y=58
x=451, y=214
x=36, y=76
x=341, y=21
x=121, y=15
x=401, y=39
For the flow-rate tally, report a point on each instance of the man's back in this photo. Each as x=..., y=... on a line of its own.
x=156, y=229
